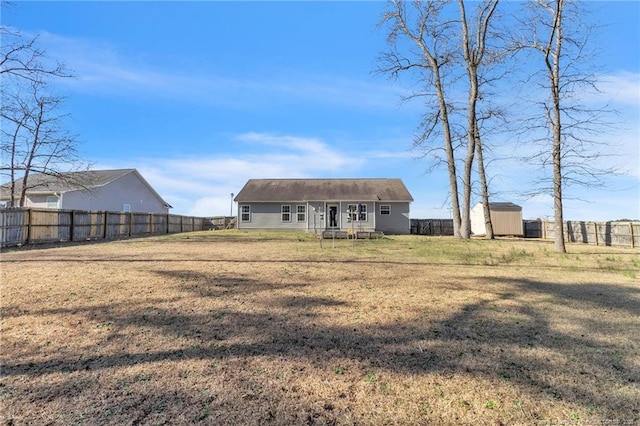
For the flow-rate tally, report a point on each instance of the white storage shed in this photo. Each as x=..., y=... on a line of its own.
x=506, y=219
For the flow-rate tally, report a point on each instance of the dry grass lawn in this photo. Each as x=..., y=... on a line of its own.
x=235, y=328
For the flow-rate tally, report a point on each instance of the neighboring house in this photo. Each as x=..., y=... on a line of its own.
x=108, y=190
x=325, y=204
x=506, y=219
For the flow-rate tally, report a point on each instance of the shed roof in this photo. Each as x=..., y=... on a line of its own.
x=505, y=207
x=273, y=190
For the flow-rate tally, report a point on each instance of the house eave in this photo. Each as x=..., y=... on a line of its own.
x=328, y=200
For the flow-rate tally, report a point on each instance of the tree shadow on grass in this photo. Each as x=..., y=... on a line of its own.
x=501, y=337
x=590, y=294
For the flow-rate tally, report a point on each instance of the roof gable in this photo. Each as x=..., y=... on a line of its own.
x=273, y=190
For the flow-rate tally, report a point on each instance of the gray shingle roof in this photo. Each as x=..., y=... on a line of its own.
x=73, y=181
x=70, y=181
x=504, y=207
x=266, y=190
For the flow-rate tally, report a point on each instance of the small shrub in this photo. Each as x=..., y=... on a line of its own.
x=371, y=378
x=491, y=405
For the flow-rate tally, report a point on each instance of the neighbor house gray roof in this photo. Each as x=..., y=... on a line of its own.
x=73, y=181
x=267, y=190
x=70, y=181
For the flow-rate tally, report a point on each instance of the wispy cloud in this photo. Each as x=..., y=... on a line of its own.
x=622, y=88
x=201, y=186
x=309, y=154
x=103, y=68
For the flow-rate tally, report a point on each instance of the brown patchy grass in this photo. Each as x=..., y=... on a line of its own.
x=238, y=328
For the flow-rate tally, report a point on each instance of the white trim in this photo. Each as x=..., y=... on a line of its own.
x=51, y=204
x=282, y=213
x=242, y=213
x=304, y=213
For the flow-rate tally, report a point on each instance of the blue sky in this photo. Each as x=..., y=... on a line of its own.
x=201, y=96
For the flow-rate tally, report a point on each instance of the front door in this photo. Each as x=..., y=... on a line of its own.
x=333, y=217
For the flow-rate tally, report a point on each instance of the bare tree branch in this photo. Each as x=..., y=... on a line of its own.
x=34, y=136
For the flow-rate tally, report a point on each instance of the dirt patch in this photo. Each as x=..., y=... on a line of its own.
x=237, y=328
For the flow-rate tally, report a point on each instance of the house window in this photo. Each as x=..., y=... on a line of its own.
x=353, y=212
x=245, y=213
x=126, y=208
x=301, y=213
x=286, y=213
x=52, y=202
x=385, y=209
x=362, y=212
x=357, y=212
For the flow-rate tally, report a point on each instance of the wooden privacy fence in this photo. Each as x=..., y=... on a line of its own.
x=626, y=234
x=37, y=226
x=532, y=228
x=432, y=226
x=223, y=222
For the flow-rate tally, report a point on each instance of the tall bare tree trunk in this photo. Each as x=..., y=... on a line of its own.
x=474, y=52
x=433, y=58
x=32, y=153
x=552, y=61
x=458, y=222
x=12, y=172
x=486, y=209
x=465, y=225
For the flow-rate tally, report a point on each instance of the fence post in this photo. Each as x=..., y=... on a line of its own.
x=595, y=228
x=105, y=220
x=27, y=216
x=71, y=223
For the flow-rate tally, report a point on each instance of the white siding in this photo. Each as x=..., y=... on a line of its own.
x=478, y=226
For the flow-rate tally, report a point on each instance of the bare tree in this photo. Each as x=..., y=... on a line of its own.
x=21, y=58
x=424, y=27
x=474, y=48
x=557, y=32
x=14, y=114
x=444, y=55
x=37, y=140
x=34, y=138
x=552, y=51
